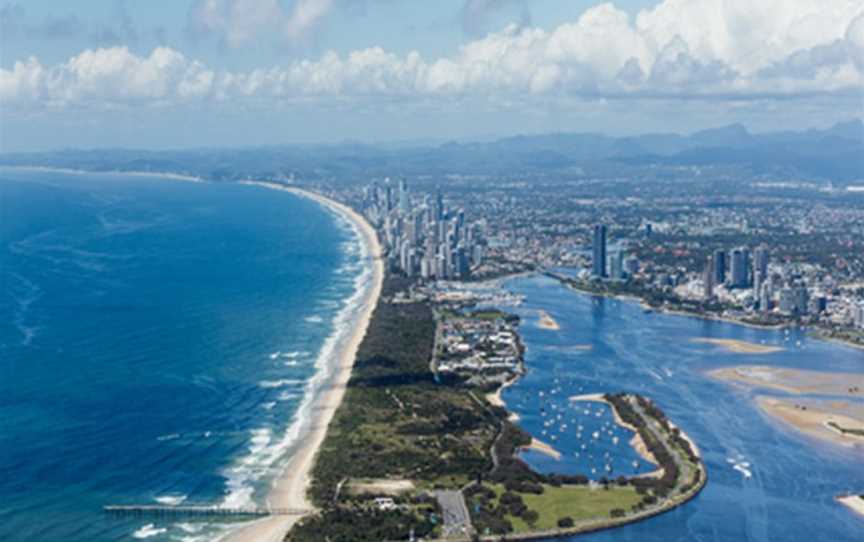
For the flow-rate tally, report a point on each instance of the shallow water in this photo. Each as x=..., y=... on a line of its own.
x=766, y=482
x=157, y=338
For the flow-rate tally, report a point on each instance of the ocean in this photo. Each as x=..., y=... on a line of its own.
x=159, y=341
x=765, y=481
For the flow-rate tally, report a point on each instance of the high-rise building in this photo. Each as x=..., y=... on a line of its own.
x=708, y=279
x=388, y=195
x=404, y=203
x=599, y=247
x=787, y=300
x=719, y=266
x=802, y=300
x=859, y=315
x=740, y=268
x=765, y=297
x=760, y=267
x=631, y=265
x=616, y=265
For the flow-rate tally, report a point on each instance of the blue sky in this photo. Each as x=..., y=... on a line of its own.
x=168, y=74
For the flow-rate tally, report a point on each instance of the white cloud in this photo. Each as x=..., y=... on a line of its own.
x=702, y=48
x=242, y=22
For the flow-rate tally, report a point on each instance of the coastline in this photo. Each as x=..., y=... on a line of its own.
x=289, y=488
x=71, y=171
x=700, y=316
x=636, y=442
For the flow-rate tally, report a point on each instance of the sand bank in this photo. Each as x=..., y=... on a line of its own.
x=543, y=448
x=796, y=381
x=547, y=322
x=739, y=347
x=289, y=489
x=830, y=422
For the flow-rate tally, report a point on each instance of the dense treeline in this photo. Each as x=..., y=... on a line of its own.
x=369, y=525
x=666, y=483
x=396, y=421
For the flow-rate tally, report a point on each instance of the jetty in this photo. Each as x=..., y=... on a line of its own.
x=199, y=510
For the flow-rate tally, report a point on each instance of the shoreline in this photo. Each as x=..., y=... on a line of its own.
x=71, y=171
x=706, y=317
x=290, y=486
x=637, y=443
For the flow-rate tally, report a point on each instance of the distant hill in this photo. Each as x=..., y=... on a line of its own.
x=835, y=154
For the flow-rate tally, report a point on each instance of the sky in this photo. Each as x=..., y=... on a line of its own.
x=162, y=74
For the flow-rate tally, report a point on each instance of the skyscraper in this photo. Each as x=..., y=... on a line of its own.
x=740, y=268
x=599, y=246
x=719, y=266
x=404, y=204
x=708, y=279
x=760, y=268
x=616, y=271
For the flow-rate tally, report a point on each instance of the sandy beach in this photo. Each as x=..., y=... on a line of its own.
x=289, y=489
x=543, y=448
x=153, y=174
x=496, y=400
x=637, y=443
x=739, y=347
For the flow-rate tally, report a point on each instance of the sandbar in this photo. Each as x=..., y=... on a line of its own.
x=547, y=322
x=837, y=423
x=543, y=448
x=738, y=347
x=290, y=488
x=795, y=381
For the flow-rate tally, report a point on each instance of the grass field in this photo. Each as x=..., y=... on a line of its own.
x=577, y=502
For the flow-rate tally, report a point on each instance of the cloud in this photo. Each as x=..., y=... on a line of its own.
x=703, y=49
x=476, y=14
x=855, y=41
x=237, y=23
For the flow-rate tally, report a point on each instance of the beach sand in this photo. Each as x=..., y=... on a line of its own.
x=739, y=347
x=289, y=489
x=813, y=418
x=796, y=381
x=543, y=448
x=547, y=322
x=496, y=400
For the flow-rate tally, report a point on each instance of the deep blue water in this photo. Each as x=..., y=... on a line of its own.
x=156, y=340
x=793, y=479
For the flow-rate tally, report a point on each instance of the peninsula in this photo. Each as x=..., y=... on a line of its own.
x=423, y=445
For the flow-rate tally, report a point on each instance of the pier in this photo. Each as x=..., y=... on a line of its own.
x=199, y=510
